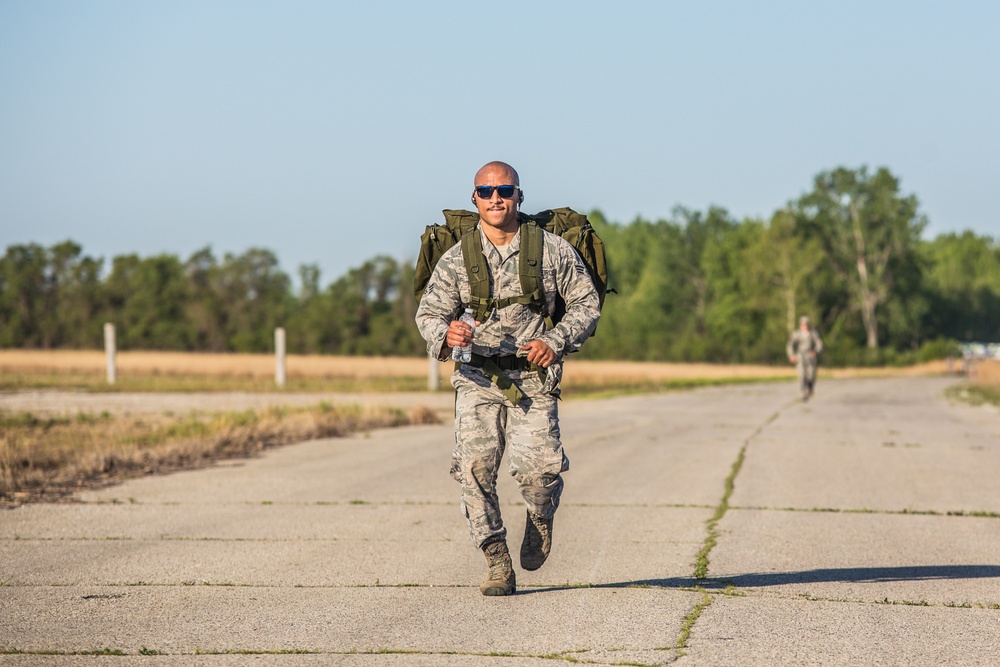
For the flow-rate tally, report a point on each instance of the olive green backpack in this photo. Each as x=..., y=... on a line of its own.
x=458, y=228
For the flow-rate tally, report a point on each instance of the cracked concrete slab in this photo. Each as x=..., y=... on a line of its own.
x=864, y=557
x=347, y=546
x=759, y=632
x=891, y=444
x=355, y=547
x=427, y=620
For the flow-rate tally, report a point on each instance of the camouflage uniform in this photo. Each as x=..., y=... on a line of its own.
x=800, y=344
x=486, y=422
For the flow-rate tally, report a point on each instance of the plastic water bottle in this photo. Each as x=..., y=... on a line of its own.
x=464, y=354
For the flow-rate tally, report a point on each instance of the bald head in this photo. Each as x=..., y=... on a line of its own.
x=497, y=211
x=504, y=171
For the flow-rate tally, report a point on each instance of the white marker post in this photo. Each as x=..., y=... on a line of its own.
x=433, y=374
x=110, y=352
x=279, y=354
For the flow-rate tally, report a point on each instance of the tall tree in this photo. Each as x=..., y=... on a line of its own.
x=256, y=296
x=963, y=280
x=23, y=300
x=146, y=298
x=205, y=307
x=869, y=232
x=782, y=263
x=78, y=295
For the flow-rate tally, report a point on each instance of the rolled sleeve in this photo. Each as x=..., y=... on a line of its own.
x=439, y=304
x=577, y=290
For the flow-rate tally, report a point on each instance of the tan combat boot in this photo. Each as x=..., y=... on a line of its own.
x=537, y=541
x=500, y=580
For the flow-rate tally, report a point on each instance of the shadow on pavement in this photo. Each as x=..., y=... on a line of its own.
x=833, y=575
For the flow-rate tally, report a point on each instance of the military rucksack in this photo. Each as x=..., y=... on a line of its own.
x=458, y=228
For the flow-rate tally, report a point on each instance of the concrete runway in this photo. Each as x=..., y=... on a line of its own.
x=862, y=528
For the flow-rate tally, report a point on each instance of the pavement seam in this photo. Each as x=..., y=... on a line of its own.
x=562, y=656
x=386, y=503
x=966, y=514
x=702, y=560
x=725, y=589
x=732, y=591
x=689, y=621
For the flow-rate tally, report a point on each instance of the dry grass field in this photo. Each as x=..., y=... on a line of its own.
x=988, y=373
x=179, y=371
x=182, y=371
x=219, y=365
x=986, y=381
x=50, y=457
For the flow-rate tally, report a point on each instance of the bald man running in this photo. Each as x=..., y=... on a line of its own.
x=513, y=338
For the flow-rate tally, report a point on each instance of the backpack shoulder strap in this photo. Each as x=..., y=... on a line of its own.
x=530, y=270
x=478, y=273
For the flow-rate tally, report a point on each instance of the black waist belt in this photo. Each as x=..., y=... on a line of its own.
x=494, y=367
x=506, y=362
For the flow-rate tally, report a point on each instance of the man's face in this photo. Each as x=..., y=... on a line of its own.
x=497, y=211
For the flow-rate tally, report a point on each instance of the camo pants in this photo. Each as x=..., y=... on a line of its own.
x=807, y=376
x=486, y=424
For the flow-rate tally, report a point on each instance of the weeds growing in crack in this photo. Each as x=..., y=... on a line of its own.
x=701, y=561
x=690, y=620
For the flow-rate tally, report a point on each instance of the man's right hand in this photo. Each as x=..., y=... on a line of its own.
x=459, y=334
x=793, y=359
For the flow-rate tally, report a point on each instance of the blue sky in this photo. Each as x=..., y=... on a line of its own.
x=332, y=132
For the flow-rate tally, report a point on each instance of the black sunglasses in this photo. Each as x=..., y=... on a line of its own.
x=486, y=191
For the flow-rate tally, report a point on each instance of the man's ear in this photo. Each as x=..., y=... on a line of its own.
x=473, y=198
x=520, y=196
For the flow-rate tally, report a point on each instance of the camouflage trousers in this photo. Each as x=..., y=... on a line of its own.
x=487, y=425
x=807, y=375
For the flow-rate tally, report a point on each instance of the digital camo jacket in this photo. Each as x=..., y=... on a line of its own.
x=801, y=343
x=563, y=273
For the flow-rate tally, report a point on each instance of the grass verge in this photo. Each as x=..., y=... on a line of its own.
x=977, y=394
x=983, y=387
x=623, y=386
x=153, y=382
x=46, y=458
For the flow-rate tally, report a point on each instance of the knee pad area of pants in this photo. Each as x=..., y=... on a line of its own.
x=483, y=472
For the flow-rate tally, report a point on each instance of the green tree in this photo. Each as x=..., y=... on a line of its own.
x=784, y=265
x=702, y=235
x=78, y=297
x=643, y=258
x=146, y=299
x=255, y=297
x=869, y=233
x=205, y=308
x=371, y=310
x=963, y=281
x=49, y=297
x=741, y=309
x=23, y=300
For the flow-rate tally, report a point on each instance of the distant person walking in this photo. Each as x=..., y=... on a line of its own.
x=507, y=392
x=803, y=347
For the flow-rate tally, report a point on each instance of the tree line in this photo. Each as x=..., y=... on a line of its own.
x=699, y=286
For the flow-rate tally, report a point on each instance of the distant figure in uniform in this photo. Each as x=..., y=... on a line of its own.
x=803, y=346
x=514, y=350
